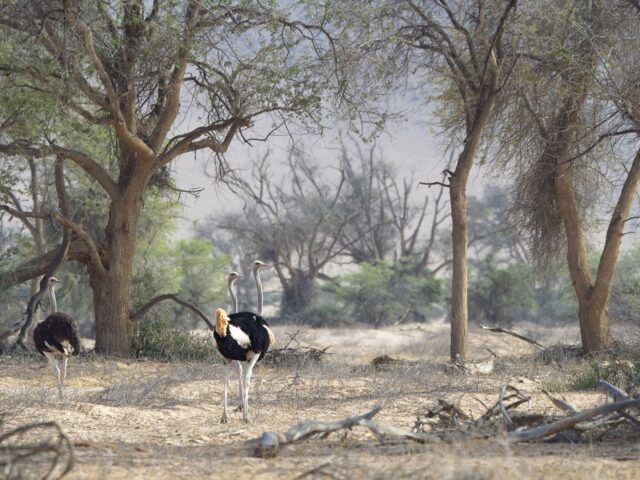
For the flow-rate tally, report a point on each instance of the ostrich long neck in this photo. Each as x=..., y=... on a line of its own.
x=256, y=275
x=52, y=294
x=234, y=297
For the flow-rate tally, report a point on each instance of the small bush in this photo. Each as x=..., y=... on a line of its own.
x=620, y=373
x=323, y=315
x=383, y=292
x=158, y=339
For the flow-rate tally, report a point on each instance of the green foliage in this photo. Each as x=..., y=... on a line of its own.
x=320, y=315
x=384, y=292
x=201, y=273
x=187, y=267
x=620, y=373
x=625, y=296
x=499, y=295
x=158, y=339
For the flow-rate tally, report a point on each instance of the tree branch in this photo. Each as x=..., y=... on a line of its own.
x=172, y=99
x=38, y=266
x=569, y=422
x=76, y=228
x=138, y=314
x=84, y=161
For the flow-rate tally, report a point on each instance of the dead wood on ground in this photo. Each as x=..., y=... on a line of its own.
x=447, y=422
x=296, y=355
x=37, y=450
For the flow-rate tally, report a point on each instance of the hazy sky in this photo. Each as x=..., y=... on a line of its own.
x=411, y=144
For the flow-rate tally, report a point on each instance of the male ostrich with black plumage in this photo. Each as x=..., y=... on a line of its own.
x=244, y=337
x=57, y=335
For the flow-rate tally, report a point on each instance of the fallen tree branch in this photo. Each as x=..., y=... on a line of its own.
x=496, y=408
x=614, y=392
x=297, y=355
x=138, y=314
x=618, y=395
x=560, y=403
x=569, y=422
x=507, y=419
x=270, y=442
x=513, y=334
x=19, y=453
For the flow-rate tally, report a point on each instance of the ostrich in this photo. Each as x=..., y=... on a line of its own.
x=231, y=280
x=244, y=337
x=57, y=335
x=257, y=266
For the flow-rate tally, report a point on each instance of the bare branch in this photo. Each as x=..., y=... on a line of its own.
x=514, y=334
x=570, y=422
x=138, y=314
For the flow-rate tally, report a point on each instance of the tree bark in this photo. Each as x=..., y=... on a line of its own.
x=459, y=306
x=458, y=197
x=111, y=285
x=593, y=297
x=298, y=293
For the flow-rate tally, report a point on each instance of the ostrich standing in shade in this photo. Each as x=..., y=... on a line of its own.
x=57, y=335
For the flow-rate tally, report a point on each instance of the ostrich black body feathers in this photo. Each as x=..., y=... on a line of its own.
x=56, y=334
x=240, y=336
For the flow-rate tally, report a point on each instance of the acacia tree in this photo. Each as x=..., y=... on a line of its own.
x=578, y=111
x=297, y=222
x=132, y=68
x=391, y=223
x=464, y=47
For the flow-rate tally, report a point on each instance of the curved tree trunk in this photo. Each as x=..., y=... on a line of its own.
x=593, y=296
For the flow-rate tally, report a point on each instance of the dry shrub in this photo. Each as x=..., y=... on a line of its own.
x=157, y=339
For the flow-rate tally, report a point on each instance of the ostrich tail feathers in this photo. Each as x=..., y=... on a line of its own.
x=272, y=338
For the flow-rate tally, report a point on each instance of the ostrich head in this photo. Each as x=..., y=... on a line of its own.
x=233, y=276
x=259, y=265
x=53, y=281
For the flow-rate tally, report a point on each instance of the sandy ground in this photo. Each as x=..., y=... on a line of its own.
x=142, y=419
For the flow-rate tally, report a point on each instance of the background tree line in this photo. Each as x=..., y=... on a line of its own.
x=543, y=95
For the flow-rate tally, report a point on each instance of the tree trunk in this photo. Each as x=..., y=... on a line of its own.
x=112, y=286
x=458, y=197
x=593, y=298
x=298, y=293
x=459, y=308
x=111, y=298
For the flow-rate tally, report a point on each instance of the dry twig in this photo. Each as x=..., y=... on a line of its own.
x=513, y=334
x=296, y=355
x=570, y=422
x=270, y=442
x=20, y=452
x=560, y=403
